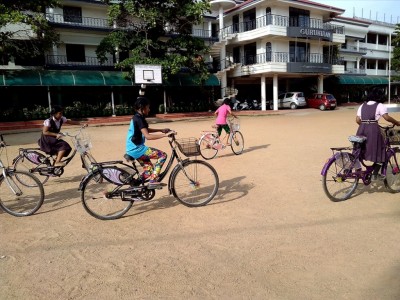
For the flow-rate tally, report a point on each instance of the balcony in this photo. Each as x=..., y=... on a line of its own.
x=62, y=62
x=282, y=21
x=353, y=50
x=78, y=21
x=355, y=71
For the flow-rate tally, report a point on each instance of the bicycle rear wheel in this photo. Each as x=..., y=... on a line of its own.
x=194, y=184
x=99, y=200
x=87, y=163
x=207, y=151
x=24, y=164
x=340, y=180
x=21, y=193
x=237, y=142
x=392, y=180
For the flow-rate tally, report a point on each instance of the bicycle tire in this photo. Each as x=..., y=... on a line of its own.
x=337, y=186
x=200, y=188
x=98, y=204
x=87, y=163
x=24, y=164
x=29, y=194
x=392, y=180
x=237, y=142
x=206, y=143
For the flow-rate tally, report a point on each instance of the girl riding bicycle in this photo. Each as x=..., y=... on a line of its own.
x=368, y=115
x=222, y=114
x=50, y=142
x=138, y=132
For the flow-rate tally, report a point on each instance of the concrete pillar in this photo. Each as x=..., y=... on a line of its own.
x=275, y=91
x=263, y=94
x=320, y=83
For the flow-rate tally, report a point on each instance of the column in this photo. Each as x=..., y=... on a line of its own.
x=320, y=83
x=263, y=95
x=275, y=91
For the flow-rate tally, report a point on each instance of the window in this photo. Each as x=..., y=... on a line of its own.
x=249, y=20
x=235, y=23
x=268, y=52
x=75, y=53
x=371, y=38
x=299, y=17
x=298, y=52
x=72, y=14
x=236, y=55
x=268, y=16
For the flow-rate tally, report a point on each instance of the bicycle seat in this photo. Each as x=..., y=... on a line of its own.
x=128, y=158
x=357, y=138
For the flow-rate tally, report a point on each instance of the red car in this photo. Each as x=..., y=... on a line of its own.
x=322, y=101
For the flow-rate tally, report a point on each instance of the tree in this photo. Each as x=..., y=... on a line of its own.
x=157, y=32
x=24, y=30
x=395, y=64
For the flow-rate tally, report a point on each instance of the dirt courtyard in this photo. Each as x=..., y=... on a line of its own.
x=270, y=233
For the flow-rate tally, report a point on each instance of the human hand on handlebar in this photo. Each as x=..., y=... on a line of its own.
x=165, y=130
x=171, y=133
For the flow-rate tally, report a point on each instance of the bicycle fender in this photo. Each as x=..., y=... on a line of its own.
x=84, y=180
x=326, y=165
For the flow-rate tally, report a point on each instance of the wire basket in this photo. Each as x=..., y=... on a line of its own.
x=234, y=124
x=189, y=146
x=393, y=136
x=82, y=142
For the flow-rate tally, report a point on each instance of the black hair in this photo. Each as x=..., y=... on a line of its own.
x=227, y=101
x=56, y=109
x=376, y=94
x=141, y=102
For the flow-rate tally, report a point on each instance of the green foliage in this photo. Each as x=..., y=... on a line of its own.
x=25, y=31
x=395, y=63
x=156, y=32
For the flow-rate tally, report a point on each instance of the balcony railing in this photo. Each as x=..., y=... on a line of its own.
x=355, y=71
x=78, y=21
x=286, y=57
x=278, y=20
x=353, y=49
x=62, y=60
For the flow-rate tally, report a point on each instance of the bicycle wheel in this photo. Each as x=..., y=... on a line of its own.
x=237, y=142
x=195, y=184
x=25, y=164
x=392, y=180
x=207, y=151
x=87, y=163
x=22, y=193
x=340, y=181
x=99, y=201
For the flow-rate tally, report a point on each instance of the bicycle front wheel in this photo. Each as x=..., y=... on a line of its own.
x=207, y=149
x=21, y=193
x=392, y=180
x=237, y=142
x=340, y=180
x=87, y=164
x=195, y=183
x=100, y=200
x=24, y=164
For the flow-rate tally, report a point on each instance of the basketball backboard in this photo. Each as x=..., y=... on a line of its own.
x=148, y=74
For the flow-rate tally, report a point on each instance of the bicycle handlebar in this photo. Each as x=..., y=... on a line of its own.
x=73, y=135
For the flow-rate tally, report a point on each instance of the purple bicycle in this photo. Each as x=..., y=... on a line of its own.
x=343, y=170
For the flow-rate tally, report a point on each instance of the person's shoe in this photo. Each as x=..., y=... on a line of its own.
x=378, y=177
x=60, y=164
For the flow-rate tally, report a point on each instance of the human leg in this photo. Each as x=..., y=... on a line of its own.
x=151, y=171
x=228, y=132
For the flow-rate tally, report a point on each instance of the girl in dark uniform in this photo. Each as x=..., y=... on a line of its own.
x=368, y=115
x=50, y=141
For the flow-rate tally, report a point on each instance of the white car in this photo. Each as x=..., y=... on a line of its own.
x=290, y=100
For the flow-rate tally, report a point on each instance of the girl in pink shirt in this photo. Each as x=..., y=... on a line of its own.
x=222, y=114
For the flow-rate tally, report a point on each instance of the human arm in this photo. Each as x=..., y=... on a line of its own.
x=71, y=122
x=390, y=119
x=164, y=130
x=146, y=133
x=358, y=120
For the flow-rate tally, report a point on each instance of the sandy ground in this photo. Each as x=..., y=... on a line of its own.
x=270, y=233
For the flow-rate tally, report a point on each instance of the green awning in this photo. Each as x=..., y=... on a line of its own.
x=347, y=79
x=191, y=80
x=62, y=78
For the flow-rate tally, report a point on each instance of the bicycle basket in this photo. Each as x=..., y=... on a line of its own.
x=234, y=124
x=82, y=142
x=188, y=146
x=393, y=136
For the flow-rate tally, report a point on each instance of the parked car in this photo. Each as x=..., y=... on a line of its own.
x=289, y=100
x=322, y=101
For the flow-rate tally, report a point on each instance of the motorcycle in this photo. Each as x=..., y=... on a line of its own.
x=255, y=105
x=235, y=104
x=244, y=105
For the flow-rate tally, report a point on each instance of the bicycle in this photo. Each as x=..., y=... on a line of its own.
x=192, y=182
x=343, y=170
x=210, y=142
x=35, y=160
x=21, y=193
